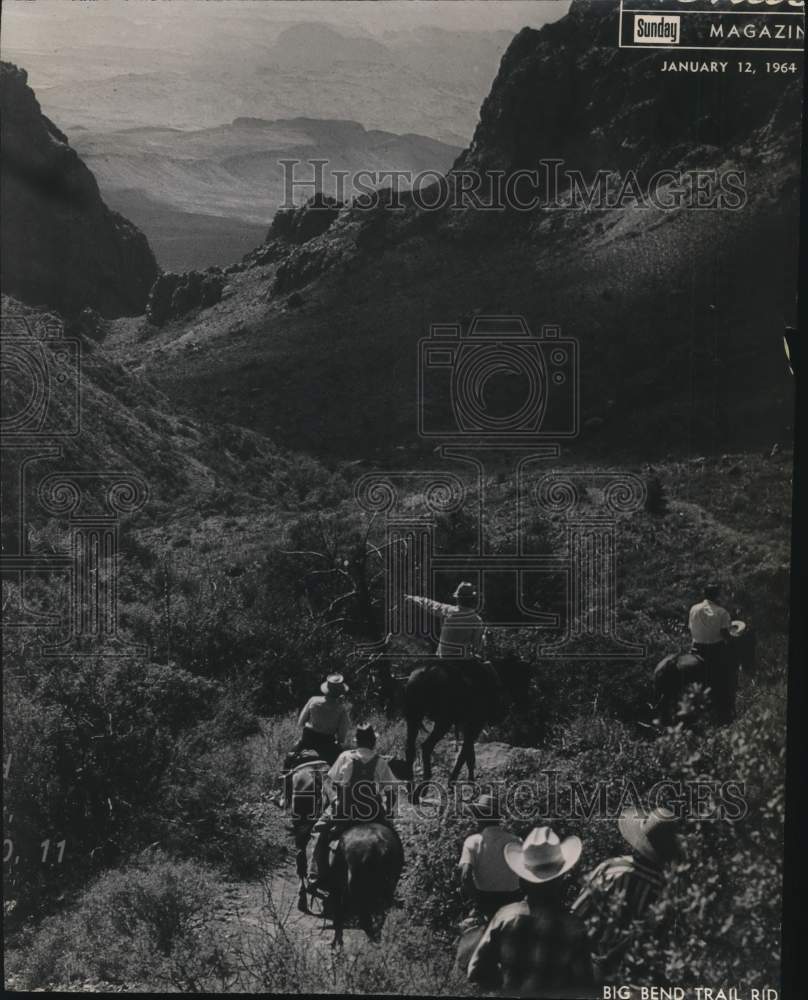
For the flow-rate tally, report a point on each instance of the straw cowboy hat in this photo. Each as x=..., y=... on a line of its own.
x=543, y=856
x=465, y=592
x=655, y=835
x=737, y=628
x=334, y=684
x=485, y=807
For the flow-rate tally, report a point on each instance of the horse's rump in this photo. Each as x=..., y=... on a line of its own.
x=372, y=857
x=305, y=792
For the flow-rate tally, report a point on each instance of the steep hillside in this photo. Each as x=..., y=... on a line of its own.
x=679, y=312
x=61, y=245
x=189, y=466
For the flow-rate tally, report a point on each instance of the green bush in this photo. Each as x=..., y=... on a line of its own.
x=206, y=806
x=151, y=922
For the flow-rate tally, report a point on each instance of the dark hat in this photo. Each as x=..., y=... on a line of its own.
x=655, y=835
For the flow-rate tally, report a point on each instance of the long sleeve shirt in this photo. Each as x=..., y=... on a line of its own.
x=327, y=716
x=708, y=621
x=461, y=633
x=629, y=884
x=540, y=952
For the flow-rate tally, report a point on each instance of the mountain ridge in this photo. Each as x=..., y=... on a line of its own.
x=62, y=245
x=678, y=315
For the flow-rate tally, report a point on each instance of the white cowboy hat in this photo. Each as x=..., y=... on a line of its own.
x=543, y=856
x=737, y=628
x=655, y=834
x=334, y=684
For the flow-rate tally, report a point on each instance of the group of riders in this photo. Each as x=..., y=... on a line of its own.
x=522, y=933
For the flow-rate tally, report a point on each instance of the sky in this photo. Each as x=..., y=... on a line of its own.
x=195, y=63
x=45, y=24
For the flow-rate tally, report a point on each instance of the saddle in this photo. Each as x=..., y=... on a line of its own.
x=300, y=758
x=295, y=761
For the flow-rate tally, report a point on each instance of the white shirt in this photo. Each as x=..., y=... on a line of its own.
x=706, y=622
x=462, y=631
x=340, y=772
x=485, y=853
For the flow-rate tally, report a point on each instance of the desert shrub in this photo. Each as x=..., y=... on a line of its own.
x=93, y=747
x=206, y=806
x=719, y=916
x=149, y=922
x=88, y=741
x=408, y=960
x=431, y=887
x=560, y=692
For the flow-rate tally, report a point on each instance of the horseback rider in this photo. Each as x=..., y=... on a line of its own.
x=325, y=721
x=462, y=629
x=361, y=780
x=630, y=882
x=485, y=878
x=710, y=630
x=535, y=948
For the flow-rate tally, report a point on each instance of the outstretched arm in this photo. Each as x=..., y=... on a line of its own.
x=434, y=606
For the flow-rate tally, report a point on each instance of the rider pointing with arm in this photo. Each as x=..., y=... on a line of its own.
x=461, y=633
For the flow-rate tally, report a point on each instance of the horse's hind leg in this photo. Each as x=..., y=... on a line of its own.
x=302, y=866
x=337, y=919
x=466, y=755
x=413, y=726
x=439, y=730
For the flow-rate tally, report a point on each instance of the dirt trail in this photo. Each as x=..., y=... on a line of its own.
x=255, y=906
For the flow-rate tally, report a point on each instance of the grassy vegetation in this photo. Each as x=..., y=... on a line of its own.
x=156, y=773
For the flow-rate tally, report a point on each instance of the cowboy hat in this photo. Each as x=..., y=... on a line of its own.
x=655, y=835
x=543, y=856
x=334, y=684
x=485, y=807
x=465, y=592
x=737, y=628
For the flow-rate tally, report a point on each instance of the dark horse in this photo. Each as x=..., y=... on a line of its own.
x=362, y=877
x=363, y=870
x=462, y=693
x=675, y=672
x=307, y=801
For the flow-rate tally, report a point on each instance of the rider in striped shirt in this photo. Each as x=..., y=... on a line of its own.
x=627, y=885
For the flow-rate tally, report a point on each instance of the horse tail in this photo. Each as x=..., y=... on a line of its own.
x=372, y=869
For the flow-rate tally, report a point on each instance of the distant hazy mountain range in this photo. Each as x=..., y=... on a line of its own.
x=425, y=80
x=150, y=121
x=207, y=196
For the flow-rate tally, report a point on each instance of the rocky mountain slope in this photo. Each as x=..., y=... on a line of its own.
x=62, y=246
x=679, y=312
